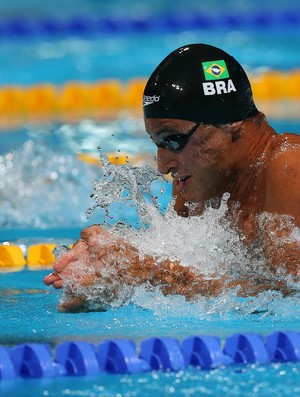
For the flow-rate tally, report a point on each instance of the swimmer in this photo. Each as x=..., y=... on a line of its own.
x=199, y=111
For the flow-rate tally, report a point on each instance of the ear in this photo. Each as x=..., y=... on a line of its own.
x=234, y=129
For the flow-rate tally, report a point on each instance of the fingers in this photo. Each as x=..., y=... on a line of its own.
x=51, y=278
x=54, y=279
x=87, y=256
x=79, y=249
x=98, y=241
x=58, y=284
x=61, y=266
x=73, y=304
x=93, y=231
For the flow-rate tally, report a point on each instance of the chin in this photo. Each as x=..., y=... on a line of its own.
x=193, y=198
x=198, y=195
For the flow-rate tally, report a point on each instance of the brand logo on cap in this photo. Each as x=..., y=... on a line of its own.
x=149, y=100
x=215, y=70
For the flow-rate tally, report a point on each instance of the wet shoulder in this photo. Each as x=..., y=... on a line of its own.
x=282, y=176
x=284, y=156
x=288, y=138
x=284, y=148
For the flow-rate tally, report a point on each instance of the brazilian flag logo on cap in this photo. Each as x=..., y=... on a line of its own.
x=215, y=70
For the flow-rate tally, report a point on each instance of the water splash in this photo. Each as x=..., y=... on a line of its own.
x=128, y=188
x=41, y=187
x=206, y=242
x=271, y=305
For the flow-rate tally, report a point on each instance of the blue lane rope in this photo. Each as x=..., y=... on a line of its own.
x=175, y=21
x=35, y=360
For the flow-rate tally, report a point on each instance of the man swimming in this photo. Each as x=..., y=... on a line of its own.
x=199, y=111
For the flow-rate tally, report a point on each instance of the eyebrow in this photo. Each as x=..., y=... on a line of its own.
x=168, y=129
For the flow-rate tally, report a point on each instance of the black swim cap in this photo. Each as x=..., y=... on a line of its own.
x=200, y=83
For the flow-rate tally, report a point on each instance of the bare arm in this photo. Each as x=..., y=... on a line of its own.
x=100, y=257
x=114, y=263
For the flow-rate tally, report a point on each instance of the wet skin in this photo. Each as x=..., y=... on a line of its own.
x=261, y=171
x=201, y=170
x=249, y=160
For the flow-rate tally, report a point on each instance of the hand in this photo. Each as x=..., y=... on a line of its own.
x=100, y=263
x=102, y=267
x=105, y=265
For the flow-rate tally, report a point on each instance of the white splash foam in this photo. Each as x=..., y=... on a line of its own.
x=206, y=242
x=41, y=188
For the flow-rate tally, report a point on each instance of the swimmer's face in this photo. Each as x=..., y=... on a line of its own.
x=200, y=165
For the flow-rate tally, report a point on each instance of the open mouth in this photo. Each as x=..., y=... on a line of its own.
x=180, y=182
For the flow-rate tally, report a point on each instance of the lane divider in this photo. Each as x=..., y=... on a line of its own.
x=111, y=98
x=114, y=158
x=40, y=254
x=113, y=94
x=82, y=25
x=12, y=257
x=73, y=96
x=117, y=356
x=70, y=102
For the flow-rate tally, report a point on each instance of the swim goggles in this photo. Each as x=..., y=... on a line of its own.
x=175, y=142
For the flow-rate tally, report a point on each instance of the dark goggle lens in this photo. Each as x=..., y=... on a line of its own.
x=174, y=143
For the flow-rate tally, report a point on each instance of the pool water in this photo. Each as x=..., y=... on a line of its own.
x=45, y=190
x=65, y=182
x=279, y=380
x=28, y=314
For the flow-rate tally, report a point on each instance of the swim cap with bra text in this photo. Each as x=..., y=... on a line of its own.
x=200, y=83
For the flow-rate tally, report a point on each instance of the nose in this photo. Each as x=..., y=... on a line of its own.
x=166, y=161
